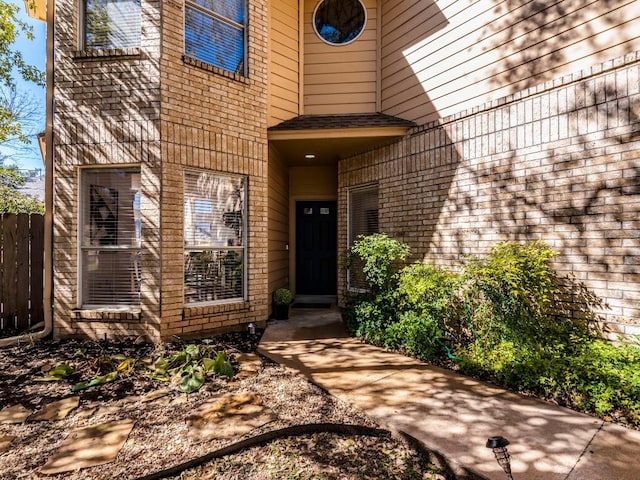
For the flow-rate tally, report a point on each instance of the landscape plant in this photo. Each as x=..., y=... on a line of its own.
x=501, y=317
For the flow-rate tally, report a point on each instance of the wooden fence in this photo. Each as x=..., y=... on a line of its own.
x=21, y=271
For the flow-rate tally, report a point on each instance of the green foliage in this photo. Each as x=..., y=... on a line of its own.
x=58, y=372
x=116, y=366
x=381, y=258
x=13, y=201
x=282, y=296
x=188, y=369
x=509, y=292
x=500, y=318
x=12, y=62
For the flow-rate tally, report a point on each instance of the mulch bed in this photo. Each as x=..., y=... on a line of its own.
x=160, y=437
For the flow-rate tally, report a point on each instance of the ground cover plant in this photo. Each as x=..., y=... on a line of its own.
x=501, y=317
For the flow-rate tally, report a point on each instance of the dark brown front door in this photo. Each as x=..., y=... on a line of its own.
x=316, y=249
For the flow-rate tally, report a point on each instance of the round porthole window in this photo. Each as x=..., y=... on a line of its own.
x=339, y=22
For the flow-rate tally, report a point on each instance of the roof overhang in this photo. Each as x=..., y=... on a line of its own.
x=36, y=9
x=327, y=139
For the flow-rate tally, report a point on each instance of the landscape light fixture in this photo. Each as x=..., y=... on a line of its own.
x=499, y=447
x=252, y=328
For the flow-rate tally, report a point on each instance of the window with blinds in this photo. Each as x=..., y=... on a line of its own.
x=215, y=33
x=214, y=237
x=111, y=24
x=363, y=220
x=110, y=237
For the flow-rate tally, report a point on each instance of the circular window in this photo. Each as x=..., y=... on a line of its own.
x=339, y=22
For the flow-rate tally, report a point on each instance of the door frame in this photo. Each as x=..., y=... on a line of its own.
x=292, y=231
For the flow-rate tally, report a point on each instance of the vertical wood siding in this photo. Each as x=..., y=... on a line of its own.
x=441, y=57
x=340, y=79
x=284, y=62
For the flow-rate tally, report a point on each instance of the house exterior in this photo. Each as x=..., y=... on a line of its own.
x=207, y=152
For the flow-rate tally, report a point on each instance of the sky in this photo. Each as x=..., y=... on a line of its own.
x=34, y=52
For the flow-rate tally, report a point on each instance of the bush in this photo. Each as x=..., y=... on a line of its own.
x=500, y=319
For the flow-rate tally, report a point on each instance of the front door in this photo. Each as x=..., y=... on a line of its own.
x=316, y=249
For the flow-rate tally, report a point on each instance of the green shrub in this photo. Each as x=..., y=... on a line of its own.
x=500, y=319
x=509, y=293
x=380, y=257
x=417, y=334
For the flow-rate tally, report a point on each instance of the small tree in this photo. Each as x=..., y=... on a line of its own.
x=12, y=200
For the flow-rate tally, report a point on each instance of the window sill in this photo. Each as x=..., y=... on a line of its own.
x=196, y=310
x=108, y=314
x=106, y=53
x=210, y=68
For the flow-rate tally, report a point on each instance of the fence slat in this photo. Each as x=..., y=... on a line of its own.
x=37, y=269
x=10, y=224
x=22, y=277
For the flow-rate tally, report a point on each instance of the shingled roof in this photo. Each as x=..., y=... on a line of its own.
x=356, y=120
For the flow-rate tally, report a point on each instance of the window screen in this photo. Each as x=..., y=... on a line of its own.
x=111, y=24
x=110, y=237
x=214, y=237
x=215, y=33
x=363, y=220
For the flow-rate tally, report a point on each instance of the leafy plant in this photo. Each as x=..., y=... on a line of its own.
x=282, y=296
x=119, y=366
x=188, y=368
x=57, y=373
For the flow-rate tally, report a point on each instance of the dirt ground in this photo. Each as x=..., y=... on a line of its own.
x=160, y=438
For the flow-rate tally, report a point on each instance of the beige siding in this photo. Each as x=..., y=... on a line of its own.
x=441, y=58
x=340, y=79
x=284, y=61
x=278, y=220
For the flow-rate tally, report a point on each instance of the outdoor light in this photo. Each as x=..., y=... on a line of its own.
x=499, y=447
x=252, y=328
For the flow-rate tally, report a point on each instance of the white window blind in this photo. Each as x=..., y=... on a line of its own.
x=363, y=220
x=112, y=24
x=110, y=237
x=215, y=33
x=214, y=237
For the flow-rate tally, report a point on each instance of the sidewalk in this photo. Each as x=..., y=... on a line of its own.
x=451, y=414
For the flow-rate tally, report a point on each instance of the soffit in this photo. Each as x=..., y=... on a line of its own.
x=332, y=137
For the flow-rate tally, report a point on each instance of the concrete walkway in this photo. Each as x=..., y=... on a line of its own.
x=451, y=414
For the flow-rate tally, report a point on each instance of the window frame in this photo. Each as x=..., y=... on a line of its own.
x=82, y=248
x=227, y=21
x=82, y=31
x=350, y=192
x=327, y=42
x=244, y=248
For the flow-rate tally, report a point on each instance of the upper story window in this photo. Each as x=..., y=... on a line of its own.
x=215, y=33
x=339, y=22
x=111, y=24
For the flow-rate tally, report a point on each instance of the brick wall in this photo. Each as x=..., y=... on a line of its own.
x=150, y=108
x=558, y=162
x=215, y=121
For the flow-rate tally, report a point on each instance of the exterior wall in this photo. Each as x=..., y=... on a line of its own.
x=214, y=121
x=132, y=107
x=284, y=61
x=559, y=162
x=440, y=58
x=307, y=183
x=106, y=113
x=278, y=222
x=340, y=79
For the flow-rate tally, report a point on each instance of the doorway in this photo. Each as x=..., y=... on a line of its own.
x=316, y=248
